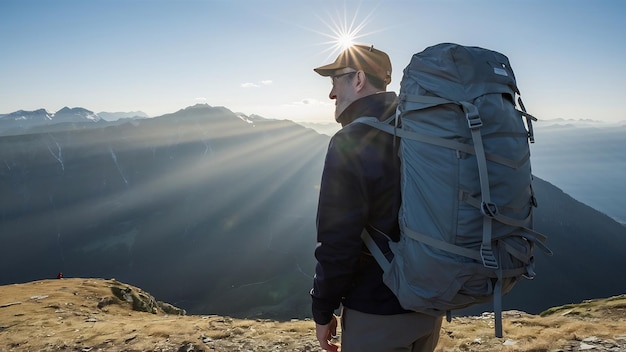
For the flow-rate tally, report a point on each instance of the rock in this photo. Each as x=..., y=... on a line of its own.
x=105, y=302
x=509, y=342
x=38, y=298
x=591, y=339
x=141, y=301
x=189, y=347
x=170, y=309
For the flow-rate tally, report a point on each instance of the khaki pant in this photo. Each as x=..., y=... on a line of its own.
x=410, y=332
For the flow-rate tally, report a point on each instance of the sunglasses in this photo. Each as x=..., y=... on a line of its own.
x=336, y=77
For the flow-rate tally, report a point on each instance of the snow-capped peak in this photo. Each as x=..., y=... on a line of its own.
x=75, y=115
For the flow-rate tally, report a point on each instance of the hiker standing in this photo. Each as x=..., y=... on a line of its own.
x=360, y=188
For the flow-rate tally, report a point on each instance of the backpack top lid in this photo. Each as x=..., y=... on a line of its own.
x=459, y=73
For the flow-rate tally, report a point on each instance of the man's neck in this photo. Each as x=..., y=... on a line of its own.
x=376, y=105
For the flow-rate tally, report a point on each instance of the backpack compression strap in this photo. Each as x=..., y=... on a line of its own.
x=446, y=143
x=488, y=208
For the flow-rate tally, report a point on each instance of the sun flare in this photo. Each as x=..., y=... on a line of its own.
x=345, y=40
x=343, y=31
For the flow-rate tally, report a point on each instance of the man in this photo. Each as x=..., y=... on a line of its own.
x=361, y=188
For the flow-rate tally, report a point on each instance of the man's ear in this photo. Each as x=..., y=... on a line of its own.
x=360, y=81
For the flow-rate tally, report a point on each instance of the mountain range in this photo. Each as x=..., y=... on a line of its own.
x=22, y=121
x=214, y=212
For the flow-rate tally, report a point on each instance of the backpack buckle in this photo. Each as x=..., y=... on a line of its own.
x=489, y=209
x=489, y=259
x=472, y=115
x=530, y=272
x=474, y=121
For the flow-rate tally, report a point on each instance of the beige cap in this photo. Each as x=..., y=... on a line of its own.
x=361, y=57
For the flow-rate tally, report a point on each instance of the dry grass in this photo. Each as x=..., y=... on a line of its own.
x=559, y=329
x=53, y=315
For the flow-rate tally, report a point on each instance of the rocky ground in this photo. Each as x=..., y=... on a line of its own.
x=107, y=315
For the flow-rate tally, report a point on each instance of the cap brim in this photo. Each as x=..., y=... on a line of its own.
x=328, y=70
x=331, y=70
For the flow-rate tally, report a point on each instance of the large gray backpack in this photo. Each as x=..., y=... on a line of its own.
x=467, y=199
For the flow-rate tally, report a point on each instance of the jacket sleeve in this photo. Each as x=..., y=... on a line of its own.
x=341, y=216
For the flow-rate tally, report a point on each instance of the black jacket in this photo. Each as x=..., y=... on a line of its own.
x=360, y=186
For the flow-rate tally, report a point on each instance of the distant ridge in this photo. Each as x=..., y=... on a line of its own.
x=40, y=120
x=114, y=116
x=327, y=128
x=21, y=121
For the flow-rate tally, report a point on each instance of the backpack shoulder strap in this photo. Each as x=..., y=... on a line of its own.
x=375, y=250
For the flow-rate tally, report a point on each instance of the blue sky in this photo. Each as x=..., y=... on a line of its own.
x=257, y=57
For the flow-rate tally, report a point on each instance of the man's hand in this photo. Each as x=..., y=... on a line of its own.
x=325, y=333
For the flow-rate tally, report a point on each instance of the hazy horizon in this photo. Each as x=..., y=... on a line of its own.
x=578, y=122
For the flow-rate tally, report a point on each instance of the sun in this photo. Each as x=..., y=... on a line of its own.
x=345, y=40
x=343, y=30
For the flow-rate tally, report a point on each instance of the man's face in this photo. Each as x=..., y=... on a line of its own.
x=343, y=91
